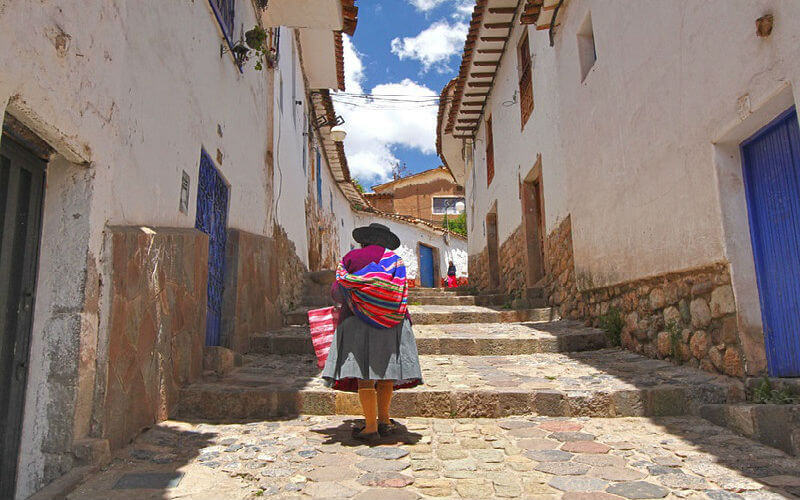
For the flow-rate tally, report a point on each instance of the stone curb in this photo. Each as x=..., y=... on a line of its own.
x=448, y=345
x=218, y=403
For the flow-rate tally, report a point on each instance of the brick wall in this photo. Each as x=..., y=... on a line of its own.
x=417, y=199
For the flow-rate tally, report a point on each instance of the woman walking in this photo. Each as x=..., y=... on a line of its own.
x=373, y=351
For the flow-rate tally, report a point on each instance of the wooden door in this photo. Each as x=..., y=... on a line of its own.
x=21, y=194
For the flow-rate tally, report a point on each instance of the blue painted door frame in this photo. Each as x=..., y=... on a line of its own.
x=426, y=276
x=771, y=164
x=212, y=219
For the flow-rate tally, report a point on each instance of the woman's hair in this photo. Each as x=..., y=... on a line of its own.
x=451, y=262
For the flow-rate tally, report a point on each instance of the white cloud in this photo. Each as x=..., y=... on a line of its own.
x=374, y=128
x=426, y=5
x=434, y=46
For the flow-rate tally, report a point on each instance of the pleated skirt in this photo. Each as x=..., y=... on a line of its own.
x=360, y=351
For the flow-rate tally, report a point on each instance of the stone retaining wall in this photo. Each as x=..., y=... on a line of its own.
x=688, y=317
x=157, y=325
x=513, y=263
x=258, y=288
x=478, y=266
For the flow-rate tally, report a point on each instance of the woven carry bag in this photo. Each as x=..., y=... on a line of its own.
x=322, y=323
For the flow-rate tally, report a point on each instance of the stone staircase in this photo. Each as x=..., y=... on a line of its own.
x=477, y=361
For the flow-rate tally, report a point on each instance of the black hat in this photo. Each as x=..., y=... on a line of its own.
x=376, y=234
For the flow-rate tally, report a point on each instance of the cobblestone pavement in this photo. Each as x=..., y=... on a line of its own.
x=533, y=457
x=601, y=370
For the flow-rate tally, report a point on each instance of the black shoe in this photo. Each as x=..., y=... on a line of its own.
x=388, y=429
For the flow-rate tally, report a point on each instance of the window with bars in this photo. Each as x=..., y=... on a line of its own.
x=225, y=13
x=525, y=73
x=489, y=152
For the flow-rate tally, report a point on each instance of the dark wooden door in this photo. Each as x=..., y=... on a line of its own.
x=21, y=195
x=532, y=214
x=492, y=251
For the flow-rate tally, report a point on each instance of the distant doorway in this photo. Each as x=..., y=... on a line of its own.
x=492, y=250
x=21, y=193
x=427, y=277
x=533, y=228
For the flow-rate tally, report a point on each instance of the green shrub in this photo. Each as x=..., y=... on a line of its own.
x=766, y=394
x=611, y=323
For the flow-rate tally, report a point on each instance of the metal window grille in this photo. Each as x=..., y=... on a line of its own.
x=225, y=13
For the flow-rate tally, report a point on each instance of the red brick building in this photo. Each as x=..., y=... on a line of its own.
x=426, y=195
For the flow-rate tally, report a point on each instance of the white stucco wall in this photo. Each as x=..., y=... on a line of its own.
x=629, y=152
x=92, y=75
x=291, y=179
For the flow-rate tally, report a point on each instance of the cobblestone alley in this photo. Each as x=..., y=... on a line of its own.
x=510, y=409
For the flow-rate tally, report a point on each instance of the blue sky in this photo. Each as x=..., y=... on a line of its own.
x=400, y=48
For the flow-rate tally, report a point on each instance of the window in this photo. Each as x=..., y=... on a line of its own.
x=525, y=73
x=446, y=204
x=224, y=11
x=489, y=152
x=586, y=50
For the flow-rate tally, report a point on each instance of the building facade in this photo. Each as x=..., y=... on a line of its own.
x=628, y=133
x=427, y=195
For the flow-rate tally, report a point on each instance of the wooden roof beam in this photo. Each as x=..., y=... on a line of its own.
x=479, y=84
x=472, y=103
x=482, y=75
x=497, y=26
x=486, y=63
x=494, y=38
x=502, y=10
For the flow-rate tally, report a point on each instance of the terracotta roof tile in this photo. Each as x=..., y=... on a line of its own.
x=338, y=43
x=443, y=101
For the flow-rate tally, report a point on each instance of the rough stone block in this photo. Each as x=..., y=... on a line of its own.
x=722, y=301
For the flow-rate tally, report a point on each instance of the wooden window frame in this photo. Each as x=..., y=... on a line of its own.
x=525, y=78
x=489, y=152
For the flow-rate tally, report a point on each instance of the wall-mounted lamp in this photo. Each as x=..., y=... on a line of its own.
x=338, y=133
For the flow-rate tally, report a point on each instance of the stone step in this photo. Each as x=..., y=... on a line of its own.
x=478, y=339
x=776, y=425
x=317, y=300
x=458, y=300
x=603, y=383
x=426, y=315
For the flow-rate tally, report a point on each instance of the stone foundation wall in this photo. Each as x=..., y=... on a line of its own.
x=157, y=325
x=323, y=238
x=513, y=262
x=290, y=270
x=252, y=301
x=687, y=317
x=478, y=266
x=560, y=287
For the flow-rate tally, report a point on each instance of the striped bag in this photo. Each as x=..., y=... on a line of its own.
x=322, y=323
x=378, y=293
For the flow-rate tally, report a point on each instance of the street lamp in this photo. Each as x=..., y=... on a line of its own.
x=458, y=205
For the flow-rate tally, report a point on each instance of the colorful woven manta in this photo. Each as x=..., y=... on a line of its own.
x=378, y=293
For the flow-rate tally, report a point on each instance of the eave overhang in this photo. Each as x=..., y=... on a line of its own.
x=489, y=31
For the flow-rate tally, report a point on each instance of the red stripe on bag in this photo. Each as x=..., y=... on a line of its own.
x=322, y=324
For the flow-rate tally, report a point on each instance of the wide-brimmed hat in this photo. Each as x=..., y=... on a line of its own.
x=376, y=234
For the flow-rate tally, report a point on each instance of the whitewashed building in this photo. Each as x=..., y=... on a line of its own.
x=160, y=200
x=636, y=158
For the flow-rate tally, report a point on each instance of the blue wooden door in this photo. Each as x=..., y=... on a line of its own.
x=212, y=217
x=771, y=161
x=426, y=266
